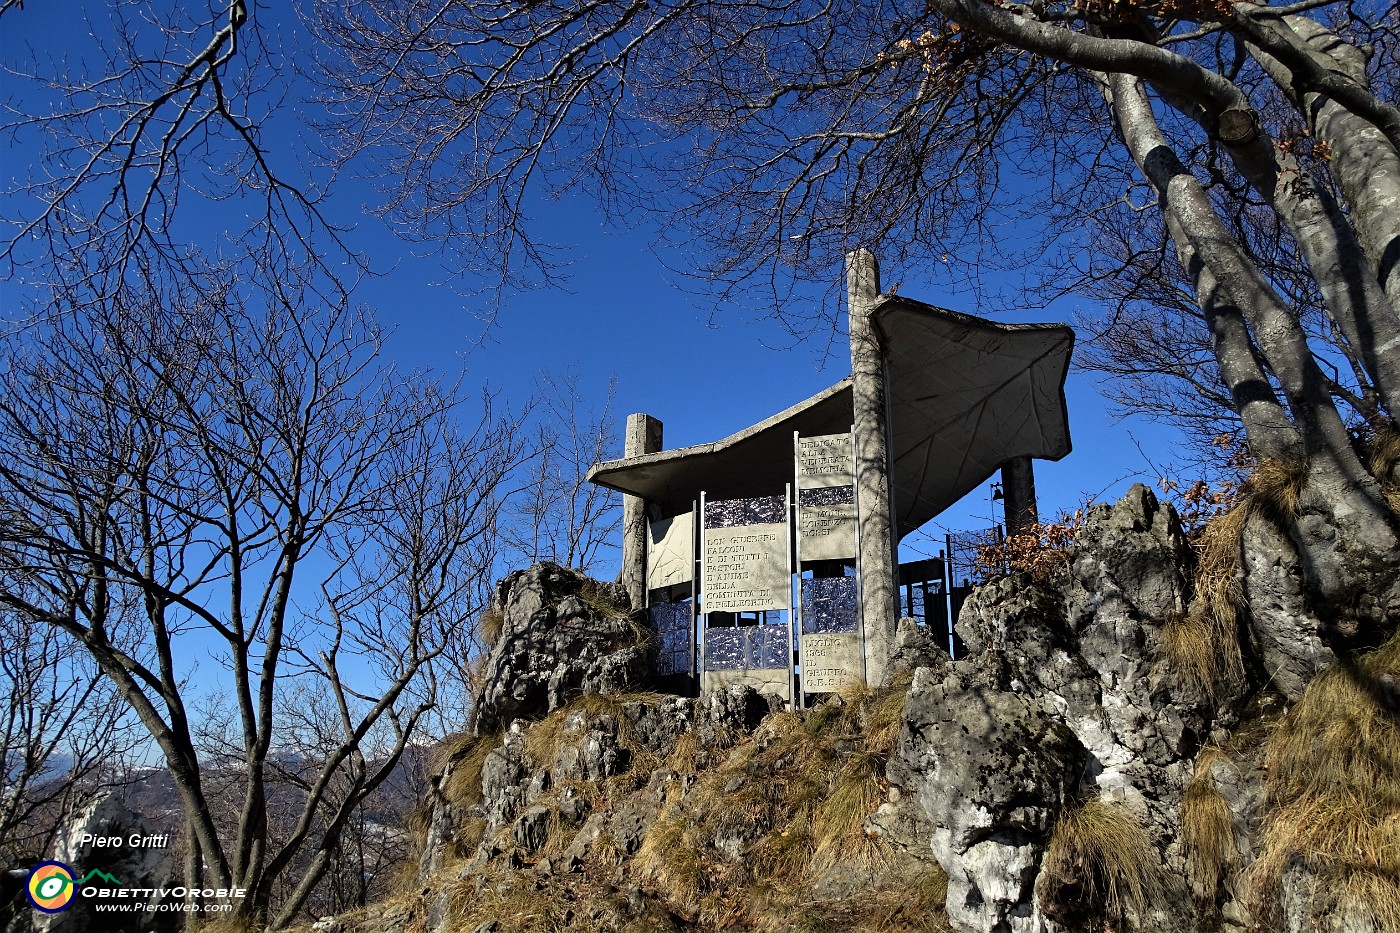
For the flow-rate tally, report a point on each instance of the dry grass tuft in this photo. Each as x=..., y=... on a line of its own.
x=1215, y=614
x=525, y=902
x=797, y=801
x=1207, y=828
x=603, y=599
x=912, y=904
x=1383, y=460
x=1191, y=647
x=490, y=624
x=1333, y=792
x=1276, y=486
x=466, y=754
x=686, y=754
x=1383, y=452
x=1103, y=846
x=1205, y=646
x=546, y=738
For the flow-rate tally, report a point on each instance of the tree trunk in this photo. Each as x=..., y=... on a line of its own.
x=1366, y=164
x=1343, y=530
x=1266, y=425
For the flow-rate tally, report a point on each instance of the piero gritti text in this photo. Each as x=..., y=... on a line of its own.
x=133, y=841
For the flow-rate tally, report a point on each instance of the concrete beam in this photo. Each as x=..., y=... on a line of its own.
x=643, y=437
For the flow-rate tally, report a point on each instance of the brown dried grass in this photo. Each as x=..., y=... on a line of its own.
x=1382, y=459
x=1333, y=792
x=1219, y=602
x=1104, y=843
x=467, y=756
x=804, y=797
x=1191, y=647
x=1276, y=486
x=1207, y=828
x=489, y=625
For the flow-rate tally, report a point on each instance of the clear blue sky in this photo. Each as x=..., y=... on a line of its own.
x=704, y=370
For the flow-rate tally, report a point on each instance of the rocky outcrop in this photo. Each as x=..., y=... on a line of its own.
x=1287, y=635
x=562, y=635
x=147, y=867
x=1021, y=767
x=1092, y=763
x=1066, y=697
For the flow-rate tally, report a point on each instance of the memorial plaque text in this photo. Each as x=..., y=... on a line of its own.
x=829, y=661
x=746, y=569
x=823, y=461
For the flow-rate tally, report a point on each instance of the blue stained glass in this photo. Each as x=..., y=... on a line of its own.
x=728, y=513
x=748, y=647
x=672, y=624
x=767, y=646
x=830, y=495
x=724, y=649
x=829, y=605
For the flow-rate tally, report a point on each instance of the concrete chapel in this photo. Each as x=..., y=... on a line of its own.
x=769, y=557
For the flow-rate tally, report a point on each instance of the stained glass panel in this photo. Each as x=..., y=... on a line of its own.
x=727, y=513
x=829, y=605
x=675, y=651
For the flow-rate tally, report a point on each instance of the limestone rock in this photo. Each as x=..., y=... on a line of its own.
x=1065, y=695
x=562, y=635
x=134, y=867
x=636, y=815
x=503, y=779
x=914, y=647
x=1286, y=632
x=531, y=829
x=992, y=769
x=656, y=725
x=583, y=840
x=590, y=750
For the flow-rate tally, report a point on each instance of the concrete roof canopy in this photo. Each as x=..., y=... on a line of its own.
x=965, y=395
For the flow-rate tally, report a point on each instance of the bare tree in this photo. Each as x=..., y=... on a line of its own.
x=63, y=734
x=559, y=515
x=167, y=117
x=921, y=128
x=1262, y=140
x=229, y=477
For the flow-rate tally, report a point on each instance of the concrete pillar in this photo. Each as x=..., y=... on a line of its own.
x=643, y=437
x=1018, y=485
x=879, y=595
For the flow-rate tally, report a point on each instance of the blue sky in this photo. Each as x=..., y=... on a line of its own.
x=704, y=369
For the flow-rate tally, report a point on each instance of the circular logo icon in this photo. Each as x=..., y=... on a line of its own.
x=50, y=887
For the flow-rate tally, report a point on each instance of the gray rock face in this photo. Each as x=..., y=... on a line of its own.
x=914, y=647
x=556, y=643
x=134, y=867
x=590, y=751
x=1065, y=696
x=504, y=780
x=636, y=815
x=531, y=830
x=992, y=769
x=1285, y=629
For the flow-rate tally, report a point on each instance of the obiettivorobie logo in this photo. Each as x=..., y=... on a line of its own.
x=52, y=888
x=52, y=885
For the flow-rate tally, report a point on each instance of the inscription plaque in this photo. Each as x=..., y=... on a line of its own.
x=829, y=661
x=826, y=523
x=824, y=460
x=670, y=551
x=746, y=569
